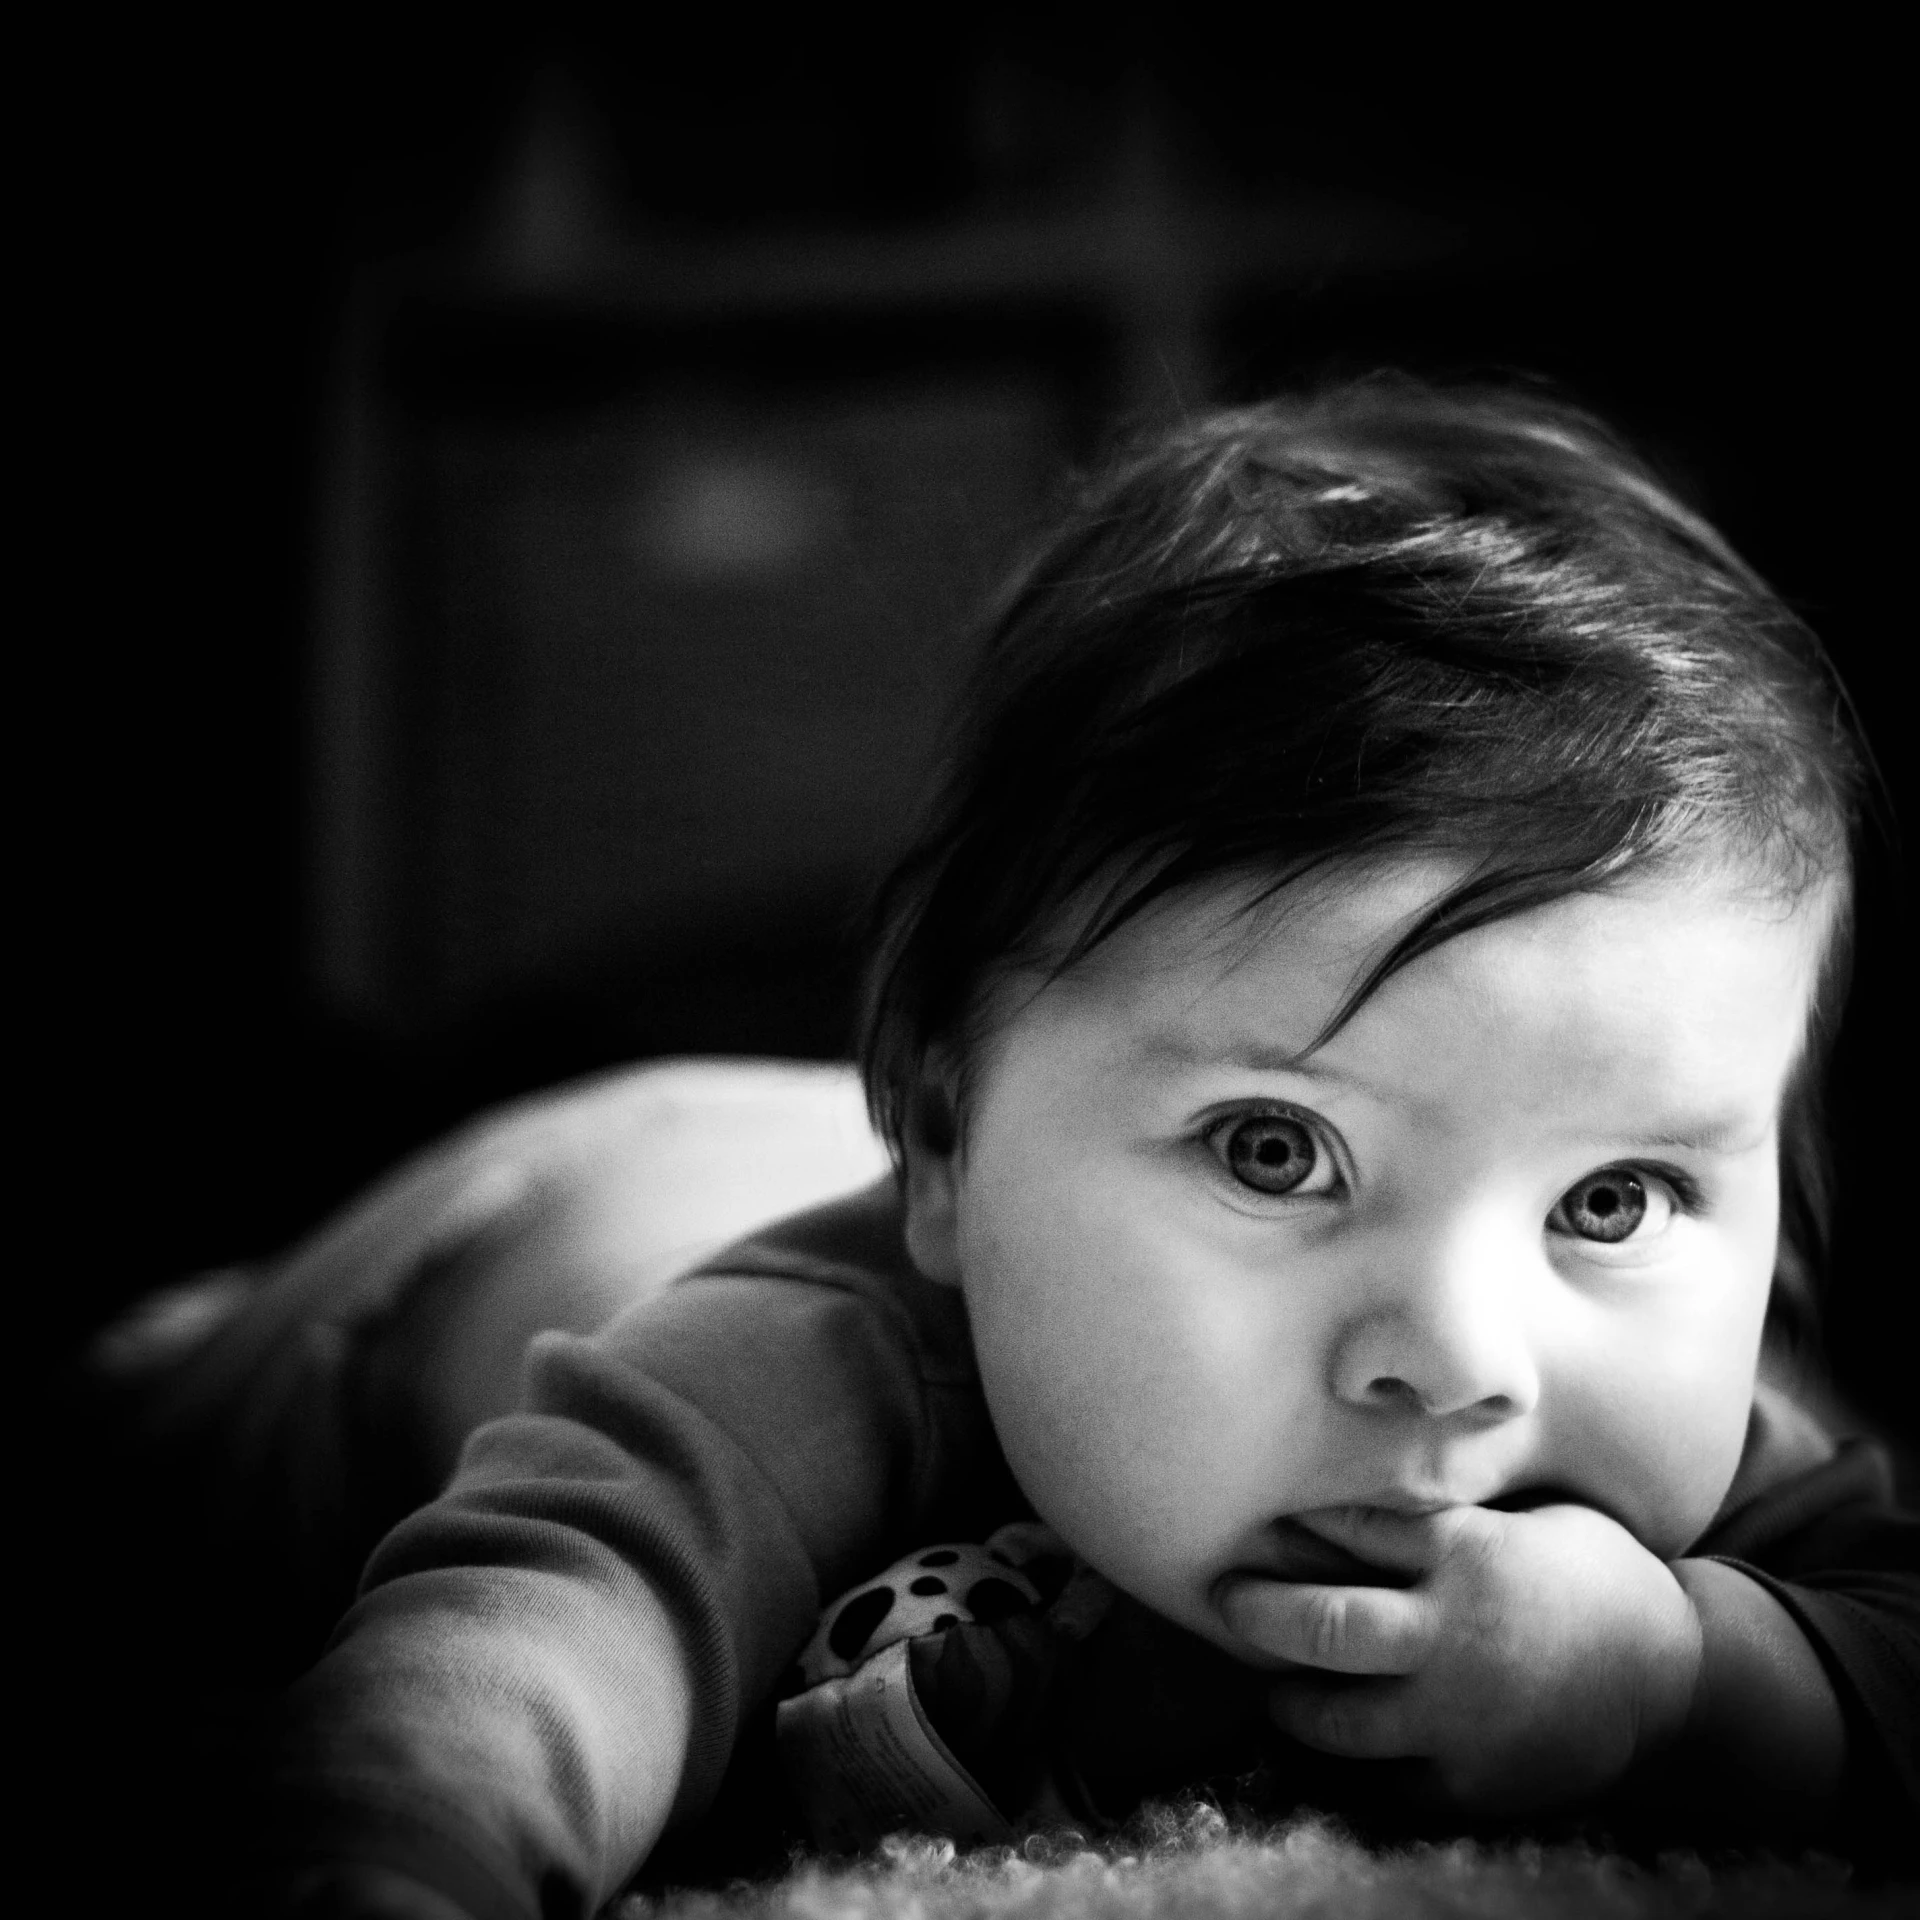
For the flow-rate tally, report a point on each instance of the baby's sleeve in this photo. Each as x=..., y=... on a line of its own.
x=551, y=1662
x=1842, y=1557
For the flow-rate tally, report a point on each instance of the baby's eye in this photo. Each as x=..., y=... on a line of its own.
x=1611, y=1205
x=1274, y=1153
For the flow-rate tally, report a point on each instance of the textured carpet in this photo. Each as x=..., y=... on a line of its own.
x=1194, y=1861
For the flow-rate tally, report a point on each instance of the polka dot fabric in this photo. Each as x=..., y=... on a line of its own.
x=927, y=1592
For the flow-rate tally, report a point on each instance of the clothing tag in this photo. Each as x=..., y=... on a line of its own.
x=863, y=1761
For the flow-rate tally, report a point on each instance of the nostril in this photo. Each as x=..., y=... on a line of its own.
x=1389, y=1390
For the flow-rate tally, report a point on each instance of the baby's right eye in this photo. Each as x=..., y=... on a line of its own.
x=1274, y=1153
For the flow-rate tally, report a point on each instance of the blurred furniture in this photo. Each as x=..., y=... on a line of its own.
x=651, y=557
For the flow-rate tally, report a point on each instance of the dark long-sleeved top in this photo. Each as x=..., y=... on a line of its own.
x=503, y=1714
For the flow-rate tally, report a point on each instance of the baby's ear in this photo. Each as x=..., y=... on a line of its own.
x=932, y=1154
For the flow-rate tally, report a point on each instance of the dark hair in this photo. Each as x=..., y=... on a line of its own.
x=1380, y=618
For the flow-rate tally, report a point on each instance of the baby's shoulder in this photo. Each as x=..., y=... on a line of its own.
x=842, y=1267
x=1802, y=1489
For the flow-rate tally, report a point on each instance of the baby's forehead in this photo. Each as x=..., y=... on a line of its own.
x=1699, y=979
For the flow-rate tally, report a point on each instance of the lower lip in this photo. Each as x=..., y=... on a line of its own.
x=1301, y=1555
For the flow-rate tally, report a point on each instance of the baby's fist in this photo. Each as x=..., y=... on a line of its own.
x=1536, y=1658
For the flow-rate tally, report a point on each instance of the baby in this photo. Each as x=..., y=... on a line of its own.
x=1348, y=1035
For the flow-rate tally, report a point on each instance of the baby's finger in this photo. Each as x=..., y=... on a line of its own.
x=1368, y=1722
x=1341, y=1629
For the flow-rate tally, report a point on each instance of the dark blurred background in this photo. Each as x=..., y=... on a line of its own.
x=526, y=494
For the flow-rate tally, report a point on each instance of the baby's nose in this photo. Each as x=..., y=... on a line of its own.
x=1450, y=1341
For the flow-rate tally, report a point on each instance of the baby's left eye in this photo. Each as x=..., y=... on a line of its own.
x=1612, y=1205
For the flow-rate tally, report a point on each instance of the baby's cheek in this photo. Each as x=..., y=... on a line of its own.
x=1659, y=1446
x=1064, y=1429
x=1067, y=1425
x=1131, y=1386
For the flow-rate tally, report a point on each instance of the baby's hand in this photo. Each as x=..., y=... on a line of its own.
x=1536, y=1658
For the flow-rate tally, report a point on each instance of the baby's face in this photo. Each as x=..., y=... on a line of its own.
x=1509, y=1234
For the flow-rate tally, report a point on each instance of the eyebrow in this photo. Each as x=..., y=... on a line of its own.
x=1719, y=1133
x=1253, y=1054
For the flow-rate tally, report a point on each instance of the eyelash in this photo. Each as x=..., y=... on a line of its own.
x=1686, y=1190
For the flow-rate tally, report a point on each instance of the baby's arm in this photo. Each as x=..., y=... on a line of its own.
x=482, y=1736
x=551, y=1661
x=1762, y=1707
x=550, y=1658
x=1545, y=1658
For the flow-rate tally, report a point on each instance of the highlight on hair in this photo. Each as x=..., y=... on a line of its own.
x=1382, y=618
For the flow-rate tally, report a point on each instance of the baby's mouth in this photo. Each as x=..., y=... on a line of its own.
x=1300, y=1554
